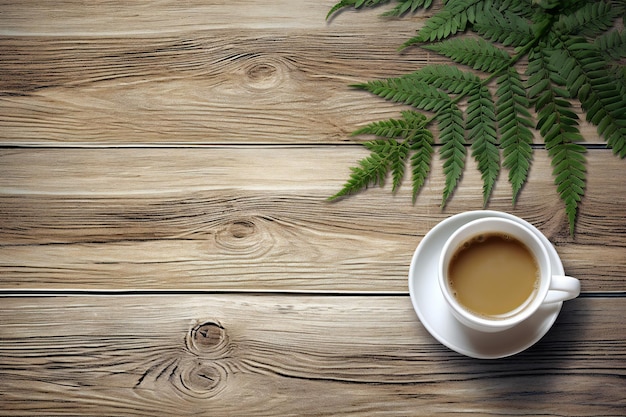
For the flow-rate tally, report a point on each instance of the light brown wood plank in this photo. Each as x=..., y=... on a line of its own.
x=256, y=218
x=141, y=17
x=292, y=355
x=123, y=74
x=167, y=72
x=214, y=87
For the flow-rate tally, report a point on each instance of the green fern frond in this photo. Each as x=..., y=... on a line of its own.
x=503, y=26
x=418, y=141
x=475, y=53
x=481, y=119
x=522, y=8
x=372, y=170
x=588, y=79
x=572, y=51
x=481, y=131
x=356, y=4
x=558, y=126
x=341, y=5
x=391, y=155
x=448, y=78
x=514, y=123
x=559, y=7
x=568, y=168
x=398, y=154
x=408, y=6
x=408, y=90
x=589, y=20
x=403, y=7
x=451, y=19
x=404, y=128
x=422, y=148
x=453, y=149
x=612, y=44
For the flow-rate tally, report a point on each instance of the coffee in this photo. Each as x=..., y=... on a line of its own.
x=493, y=275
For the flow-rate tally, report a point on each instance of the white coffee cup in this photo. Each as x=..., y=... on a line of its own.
x=550, y=288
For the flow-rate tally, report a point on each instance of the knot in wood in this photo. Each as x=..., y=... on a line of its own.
x=202, y=380
x=242, y=236
x=262, y=73
x=208, y=334
x=208, y=338
x=258, y=72
x=241, y=229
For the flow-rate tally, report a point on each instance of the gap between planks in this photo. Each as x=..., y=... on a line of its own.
x=227, y=145
x=77, y=292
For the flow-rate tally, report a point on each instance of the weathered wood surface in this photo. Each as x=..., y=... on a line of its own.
x=187, y=149
x=162, y=73
x=293, y=355
x=256, y=218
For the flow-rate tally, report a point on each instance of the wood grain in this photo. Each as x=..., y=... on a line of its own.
x=209, y=73
x=291, y=355
x=257, y=218
x=156, y=17
x=166, y=247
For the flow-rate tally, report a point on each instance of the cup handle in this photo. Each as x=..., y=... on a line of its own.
x=562, y=288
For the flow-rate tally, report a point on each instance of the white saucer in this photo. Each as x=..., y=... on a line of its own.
x=435, y=315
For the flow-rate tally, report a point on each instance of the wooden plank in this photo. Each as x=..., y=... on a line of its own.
x=149, y=17
x=168, y=72
x=218, y=87
x=95, y=74
x=256, y=218
x=292, y=355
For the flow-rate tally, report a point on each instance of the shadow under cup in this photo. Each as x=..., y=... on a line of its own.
x=504, y=227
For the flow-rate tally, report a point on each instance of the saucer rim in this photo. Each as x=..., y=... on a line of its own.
x=466, y=217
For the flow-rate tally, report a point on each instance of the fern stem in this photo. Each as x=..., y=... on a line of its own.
x=484, y=82
x=522, y=52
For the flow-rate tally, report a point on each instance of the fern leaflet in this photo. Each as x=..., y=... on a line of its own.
x=590, y=20
x=504, y=27
x=422, y=147
x=514, y=121
x=448, y=78
x=403, y=7
x=408, y=90
x=357, y=4
x=453, y=150
x=587, y=78
x=391, y=155
x=408, y=6
x=373, y=169
x=568, y=167
x=476, y=53
x=481, y=128
x=453, y=18
x=404, y=128
x=558, y=125
x=612, y=44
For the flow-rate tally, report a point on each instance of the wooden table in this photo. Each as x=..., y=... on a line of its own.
x=166, y=246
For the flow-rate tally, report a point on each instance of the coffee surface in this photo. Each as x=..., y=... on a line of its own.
x=493, y=275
